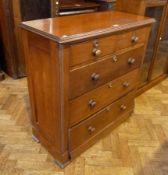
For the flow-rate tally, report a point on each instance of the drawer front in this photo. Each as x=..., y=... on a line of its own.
x=93, y=101
x=91, y=51
x=87, y=129
x=91, y=76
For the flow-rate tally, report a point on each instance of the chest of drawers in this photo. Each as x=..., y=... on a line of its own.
x=82, y=74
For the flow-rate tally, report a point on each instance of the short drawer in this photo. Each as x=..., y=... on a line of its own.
x=91, y=76
x=93, y=50
x=93, y=101
x=86, y=130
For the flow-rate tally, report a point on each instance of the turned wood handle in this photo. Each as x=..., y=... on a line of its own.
x=110, y=85
x=92, y=103
x=135, y=39
x=115, y=59
x=126, y=84
x=95, y=76
x=123, y=107
x=91, y=130
x=131, y=61
x=96, y=52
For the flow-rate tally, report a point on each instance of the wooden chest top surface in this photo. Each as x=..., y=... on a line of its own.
x=72, y=28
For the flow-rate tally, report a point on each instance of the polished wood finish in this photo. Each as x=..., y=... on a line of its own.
x=113, y=69
x=72, y=7
x=106, y=23
x=10, y=61
x=55, y=83
x=12, y=13
x=87, y=51
x=17, y=18
x=156, y=60
x=81, y=134
x=66, y=4
x=81, y=107
x=43, y=49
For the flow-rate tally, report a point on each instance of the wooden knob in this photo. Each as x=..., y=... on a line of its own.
x=95, y=43
x=123, y=107
x=115, y=58
x=95, y=76
x=135, y=39
x=92, y=103
x=110, y=85
x=126, y=84
x=91, y=130
x=131, y=61
x=96, y=52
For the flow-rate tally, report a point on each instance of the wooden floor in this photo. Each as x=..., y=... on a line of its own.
x=137, y=147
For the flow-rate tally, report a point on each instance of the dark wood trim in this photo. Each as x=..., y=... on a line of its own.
x=156, y=47
x=156, y=3
x=149, y=85
x=2, y=76
x=139, y=7
x=8, y=37
x=77, y=37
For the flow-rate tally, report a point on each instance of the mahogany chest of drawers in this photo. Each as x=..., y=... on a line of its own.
x=82, y=74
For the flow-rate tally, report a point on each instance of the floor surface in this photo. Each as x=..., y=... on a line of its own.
x=137, y=147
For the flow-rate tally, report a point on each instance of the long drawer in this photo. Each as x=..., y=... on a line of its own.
x=93, y=75
x=93, y=50
x=81, y=133
x=93, y=101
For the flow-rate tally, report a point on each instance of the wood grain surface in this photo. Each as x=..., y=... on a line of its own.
x=137, y=147
x=102, y=96
x=62, y=30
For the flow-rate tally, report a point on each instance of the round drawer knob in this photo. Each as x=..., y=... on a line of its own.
x=95, y=43
x=115, y=58
x=123, y=107
x=95, y=76
x=92, y=103
x=96, y=52
x=126, y=84
x=91, y=130
x=135, y=39
x=131, y=61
